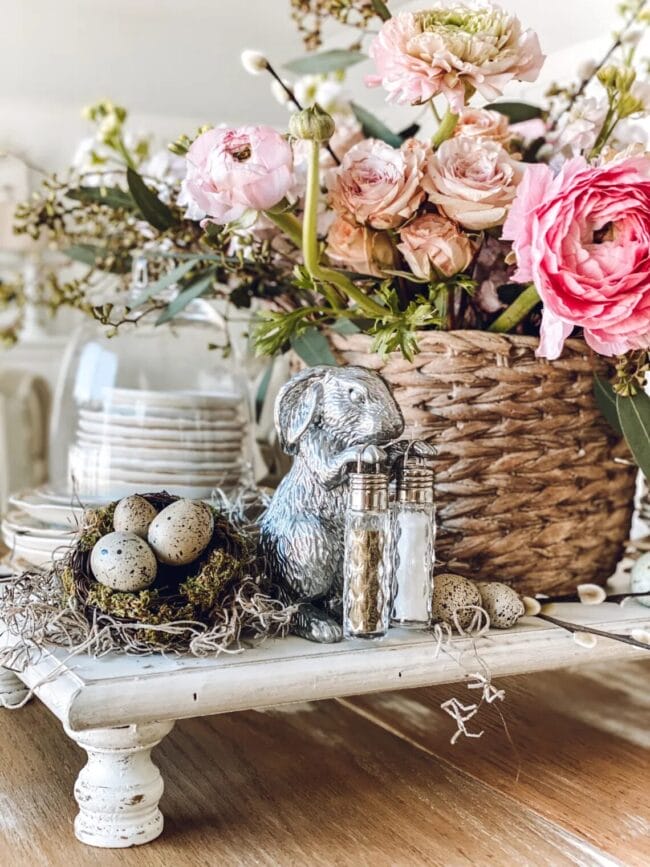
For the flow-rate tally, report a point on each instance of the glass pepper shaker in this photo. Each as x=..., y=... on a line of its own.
x=367, y=567
x=413, y=530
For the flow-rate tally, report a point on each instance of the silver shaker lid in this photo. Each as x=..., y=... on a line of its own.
x=368, y=492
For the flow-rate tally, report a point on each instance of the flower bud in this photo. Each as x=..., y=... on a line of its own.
x=607, y=76
x=254, y=62
x=625, y=78
x=312, y=124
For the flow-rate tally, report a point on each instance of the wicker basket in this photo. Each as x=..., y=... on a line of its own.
x=533, y=487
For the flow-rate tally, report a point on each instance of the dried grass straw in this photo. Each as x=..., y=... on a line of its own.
x=41, y=610
x=533, y=487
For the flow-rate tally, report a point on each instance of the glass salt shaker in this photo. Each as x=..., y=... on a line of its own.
x=413, y=530
x=367, y=567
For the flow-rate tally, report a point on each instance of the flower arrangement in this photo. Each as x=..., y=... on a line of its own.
x=508, y=217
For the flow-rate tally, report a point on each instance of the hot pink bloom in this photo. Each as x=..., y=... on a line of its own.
x=231, y=171
x=583, y=238
x=433, y=245
x=454, y=47
x=377, y=184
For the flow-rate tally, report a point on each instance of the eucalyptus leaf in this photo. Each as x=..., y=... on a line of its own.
x=381, y=9
x=324, y=62
x=345, y=326
x=194, y=290
x=606, y=400
x=165, y=281
x=634, y=417
x=113, y=197
x=155, y=212
x=375, y=128
x=93, y=255
x=312, y=346
x=516, y=112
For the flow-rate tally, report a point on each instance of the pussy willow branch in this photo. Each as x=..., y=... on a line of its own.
x=574, y=627
x=574, y=597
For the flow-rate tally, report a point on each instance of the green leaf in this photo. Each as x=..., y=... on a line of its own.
x=165, y=281
x=92, y=255
x=345, y=326
x=634, y=416
x=375, y=128
x=606, y=400
x=193, y=290
x=516, y=112
x=113, y=197
x=381, y=9
x=313, y=348
x=152, y=209
x=324, y=62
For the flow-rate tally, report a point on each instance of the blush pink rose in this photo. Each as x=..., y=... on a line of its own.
x=433, y=246
x=231, y=171
x=358, y=248
x=472, y=181
x=483, y=123
x=583, y=238
x=453, y=48
x=378, y=184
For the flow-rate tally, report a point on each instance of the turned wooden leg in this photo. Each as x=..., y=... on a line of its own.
x=119, y=789
x=12, y=689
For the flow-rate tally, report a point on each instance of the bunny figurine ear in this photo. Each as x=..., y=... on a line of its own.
x=296, y=406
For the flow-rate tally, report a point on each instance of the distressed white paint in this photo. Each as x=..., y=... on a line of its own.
x=119, y=789
x=116, y=706
x=12, y=689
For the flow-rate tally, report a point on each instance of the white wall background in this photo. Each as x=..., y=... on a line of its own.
x=175, y=63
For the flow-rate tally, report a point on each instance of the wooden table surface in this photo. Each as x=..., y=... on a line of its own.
x=371, y=780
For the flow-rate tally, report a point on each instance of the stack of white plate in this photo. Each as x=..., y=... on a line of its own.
x=185, y=442
x=40, y=525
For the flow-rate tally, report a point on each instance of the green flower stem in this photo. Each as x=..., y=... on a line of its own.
x=311, y=250
x=445, y=130
x=519, y=308
x=289, y=224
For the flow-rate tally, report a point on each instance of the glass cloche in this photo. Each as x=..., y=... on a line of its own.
x=152, y=409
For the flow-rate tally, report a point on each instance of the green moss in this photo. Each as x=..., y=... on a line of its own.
x=203, y=589
x=96, y=523
x=128, y=606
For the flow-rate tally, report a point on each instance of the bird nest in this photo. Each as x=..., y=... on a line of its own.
x=211, y=605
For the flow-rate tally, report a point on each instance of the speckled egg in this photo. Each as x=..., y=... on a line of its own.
x=640, y=578
x=503, y=604
x=123, y=561
x=181, y=532
x=133, y=515
x=450, y=593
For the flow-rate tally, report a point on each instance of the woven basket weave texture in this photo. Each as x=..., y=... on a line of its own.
x=532, y=485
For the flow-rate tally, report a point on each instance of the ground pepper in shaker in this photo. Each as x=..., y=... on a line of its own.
x=366, y=566
x=413, y=531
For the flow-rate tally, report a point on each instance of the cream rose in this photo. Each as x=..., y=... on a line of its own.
x=432, y=245
x=378, y=184
x=358, y=248
x=472, y=181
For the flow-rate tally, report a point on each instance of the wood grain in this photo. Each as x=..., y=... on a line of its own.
x=579, y=752
x=368, y=781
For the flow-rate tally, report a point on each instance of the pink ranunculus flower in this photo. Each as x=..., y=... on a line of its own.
x=455, y=47
x=583, y=238
x=231, y=171
x=472, y=181
x=359, y=248
x=432, y=245
x=378, y=184
x=483, y=123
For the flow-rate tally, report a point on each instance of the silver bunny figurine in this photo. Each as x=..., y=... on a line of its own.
x=328, y=418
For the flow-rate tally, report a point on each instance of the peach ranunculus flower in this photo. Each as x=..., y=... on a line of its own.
x=583, y=238
x=483, y=123
x=377, y=184
x=453, y=48
x=472, y=181
x=234, y=170
x=433, y=245
x=359, y=248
